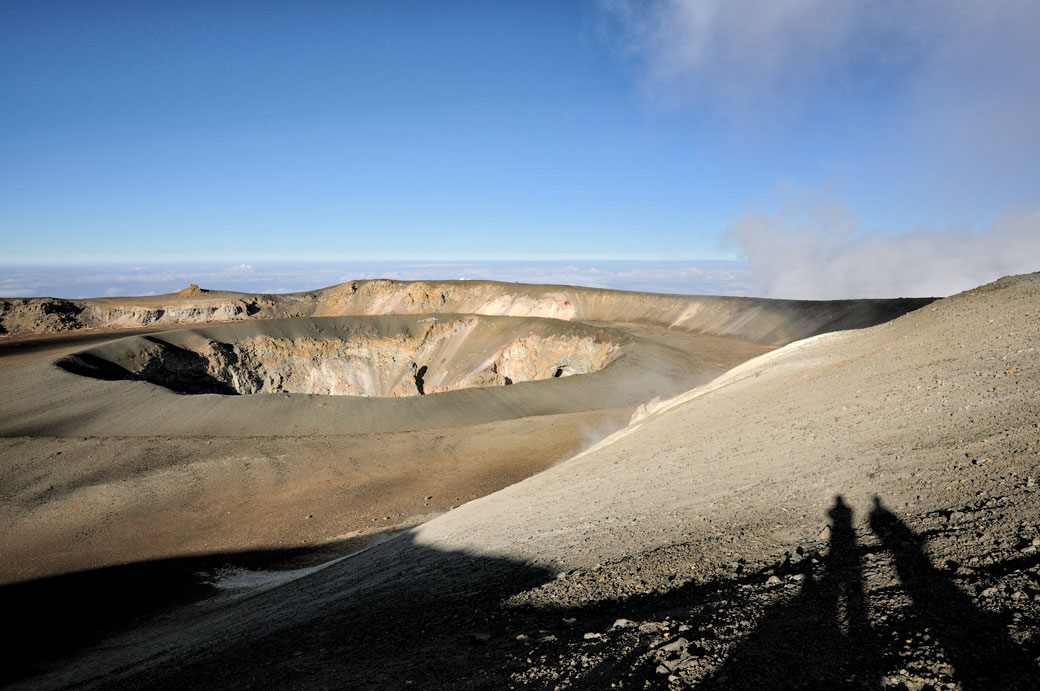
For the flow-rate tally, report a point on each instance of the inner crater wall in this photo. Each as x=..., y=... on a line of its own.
x=389, y=356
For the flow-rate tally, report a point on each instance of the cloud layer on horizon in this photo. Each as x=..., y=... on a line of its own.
x=683, y=277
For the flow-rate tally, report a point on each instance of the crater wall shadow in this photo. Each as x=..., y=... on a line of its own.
x=46, y=619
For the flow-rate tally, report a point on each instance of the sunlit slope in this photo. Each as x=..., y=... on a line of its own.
x=847, y=413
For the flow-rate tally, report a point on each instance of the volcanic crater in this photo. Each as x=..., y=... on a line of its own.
x=371, y=356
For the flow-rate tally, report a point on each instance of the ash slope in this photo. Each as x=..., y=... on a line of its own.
x=858, y=510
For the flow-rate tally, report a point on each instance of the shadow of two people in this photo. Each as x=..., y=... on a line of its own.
x=825, y=636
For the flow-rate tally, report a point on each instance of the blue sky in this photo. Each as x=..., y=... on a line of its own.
x=589, y=130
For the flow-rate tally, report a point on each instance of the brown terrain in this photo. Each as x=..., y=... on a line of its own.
x=484, y=485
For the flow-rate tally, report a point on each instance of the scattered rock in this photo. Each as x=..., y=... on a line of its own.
x=192, y=290
x=677, y=645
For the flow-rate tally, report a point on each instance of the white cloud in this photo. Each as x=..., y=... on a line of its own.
x=963, y=74
x=817, y=250
x=954, y=86
x=753, y=49
x=733, y=51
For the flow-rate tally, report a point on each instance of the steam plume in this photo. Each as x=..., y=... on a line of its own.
x=821, y=252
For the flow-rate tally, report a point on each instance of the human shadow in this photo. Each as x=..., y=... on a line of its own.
x=824, y=637
x=976, y=642
x=821, y=638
